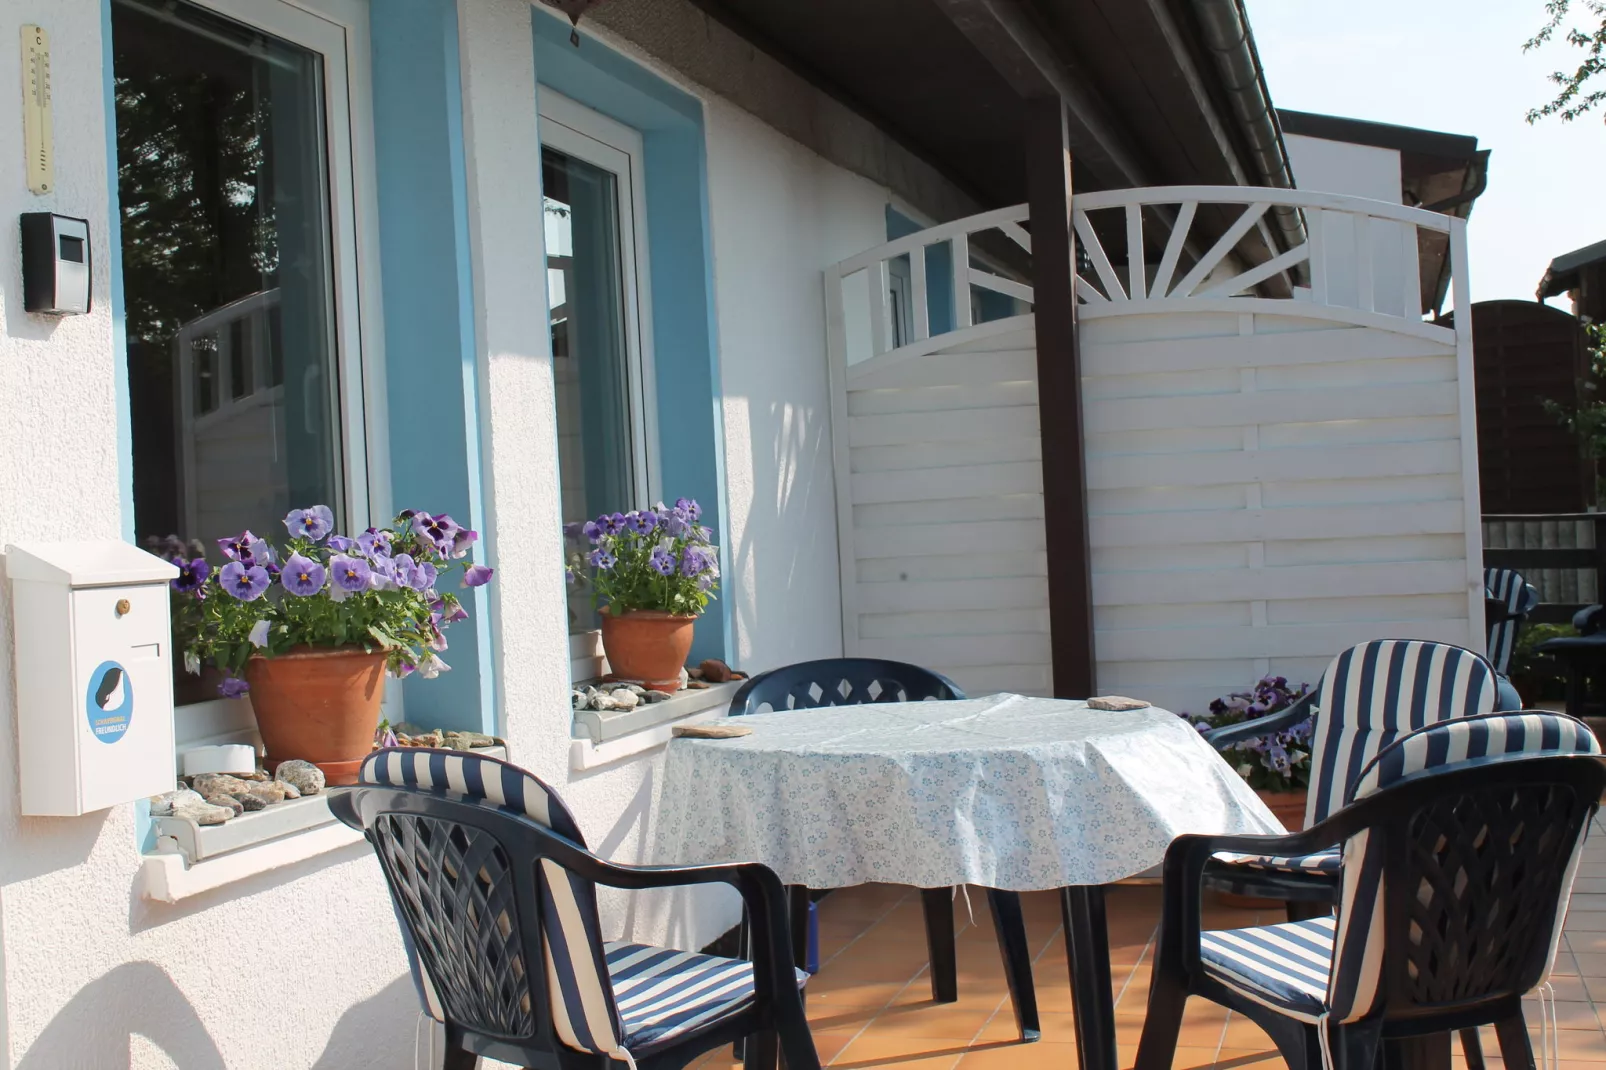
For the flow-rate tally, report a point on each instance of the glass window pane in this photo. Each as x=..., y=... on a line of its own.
x=590, y=348
x=223, y=186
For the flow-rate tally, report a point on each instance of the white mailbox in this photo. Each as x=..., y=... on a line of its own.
x=94, y=674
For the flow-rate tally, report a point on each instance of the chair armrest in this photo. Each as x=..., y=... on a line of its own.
x=761, y=891
x=1186, y=858
x=1222, y=738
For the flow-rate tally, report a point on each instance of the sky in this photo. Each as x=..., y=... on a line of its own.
x=1455, y=66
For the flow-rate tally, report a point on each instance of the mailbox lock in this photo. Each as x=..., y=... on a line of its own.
x=123, y=606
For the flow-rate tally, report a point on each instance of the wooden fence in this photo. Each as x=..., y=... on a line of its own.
x=1562, y=554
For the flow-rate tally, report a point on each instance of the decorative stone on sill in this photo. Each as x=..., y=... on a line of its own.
x=616, y=696
x=213, y=798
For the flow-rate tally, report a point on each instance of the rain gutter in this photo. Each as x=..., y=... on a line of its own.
x=1225, y=33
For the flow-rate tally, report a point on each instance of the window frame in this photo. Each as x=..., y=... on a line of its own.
x=576, y=130
x=338, y=30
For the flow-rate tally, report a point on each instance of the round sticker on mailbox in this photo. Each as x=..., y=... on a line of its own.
x=110, y=702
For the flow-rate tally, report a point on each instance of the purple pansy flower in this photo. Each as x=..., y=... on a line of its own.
x=602, y=559
x=613, y=524
x=418, y=575
x=232, y=687
x=340, y=544
x=661, y=561
x=240, y=544
x=445, y=613
x=257, y=552
x=441, y=530
x=692, y=509
x=465, y=538
x=374, y=543
x=302, y=576
x=313, y=523
x=592, y=530
x=246, y=584
x=643, y=523
x=477, y=576
x=192, y=575
x=349, y=573
x=692, y=561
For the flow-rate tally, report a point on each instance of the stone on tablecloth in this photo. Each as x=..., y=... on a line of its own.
x=1116, y=703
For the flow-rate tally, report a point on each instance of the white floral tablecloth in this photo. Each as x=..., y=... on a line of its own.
x=1002, y=791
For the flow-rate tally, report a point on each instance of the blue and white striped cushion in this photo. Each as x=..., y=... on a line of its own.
x=1371, y=694
x=1378, y=691
x=583, y=1010
x=1434, y=750
x=1327, y=861
x=664, y=994
x=1284, y=966
x=1509, y=588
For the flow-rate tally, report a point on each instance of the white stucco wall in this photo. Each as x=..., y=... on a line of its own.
x=288, y=970
x=302, y=966
x=780, y=215
x=1341, y=167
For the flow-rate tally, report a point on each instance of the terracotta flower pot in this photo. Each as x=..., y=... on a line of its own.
x=648, y=645
x=1289, y=808
x=321, y=706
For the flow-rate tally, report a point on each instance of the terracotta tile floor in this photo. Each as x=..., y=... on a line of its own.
x=871, y=1003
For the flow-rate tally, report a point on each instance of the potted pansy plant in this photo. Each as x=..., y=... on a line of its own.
x=651, y=573
x=1276, y=765
x=312, y=629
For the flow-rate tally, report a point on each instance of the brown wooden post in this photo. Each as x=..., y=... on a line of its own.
x=1059, y=397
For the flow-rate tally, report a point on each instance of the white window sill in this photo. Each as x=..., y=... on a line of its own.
x=190, y=859
x=609, y=735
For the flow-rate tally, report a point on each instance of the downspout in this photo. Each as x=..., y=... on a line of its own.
x=1225, y=32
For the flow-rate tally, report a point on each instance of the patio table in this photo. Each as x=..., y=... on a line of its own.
x=1005, y=791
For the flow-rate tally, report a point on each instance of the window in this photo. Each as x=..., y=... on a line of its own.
x=234, y=166
x=591, y=196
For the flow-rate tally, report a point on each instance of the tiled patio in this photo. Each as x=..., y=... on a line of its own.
x=871, y=1002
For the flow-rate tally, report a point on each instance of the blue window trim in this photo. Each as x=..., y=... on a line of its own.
x=691, y=447
x=431, y=352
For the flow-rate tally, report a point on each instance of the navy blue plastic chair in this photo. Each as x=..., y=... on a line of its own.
x=1369, y=696
x=1509, y=599
x=1459, y=849
x=495, y=893
x=863, y=681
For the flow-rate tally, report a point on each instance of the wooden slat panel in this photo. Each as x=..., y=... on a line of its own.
x=1304, y=640
x=1349, y=462
x=899, y=429
x=1264, y=407
x=941, y=398
x=950, y=369
x=938, y=483
x=903, y=514
x=1340, y=344
x=972, y=622
x=1016, y=649
x=1304, y=581
x=981, y=537
x=952, y=567
x=1027, y=592
x=945, y=454
x=1247, y=525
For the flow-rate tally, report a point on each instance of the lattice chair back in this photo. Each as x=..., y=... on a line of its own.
x=1457, y=898
x=1376, y=692
x=1507, y=587
x=840, y=682
x=473, y=921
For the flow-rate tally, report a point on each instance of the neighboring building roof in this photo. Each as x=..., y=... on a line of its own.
x=1438, y=171
x=1562, y=275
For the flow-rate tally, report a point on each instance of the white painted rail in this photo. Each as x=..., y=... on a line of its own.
x=1143, y=250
